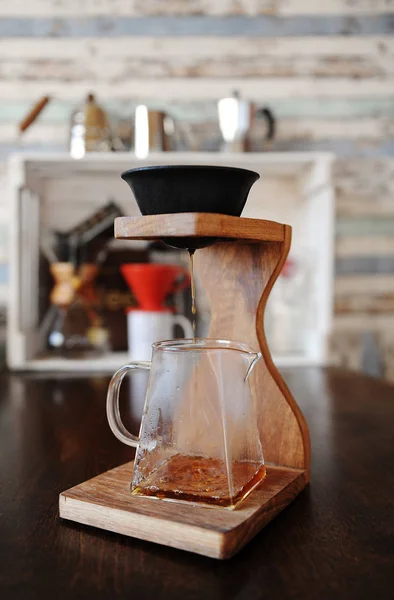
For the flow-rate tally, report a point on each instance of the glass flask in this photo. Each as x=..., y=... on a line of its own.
x=73, y=322
x=199, y=440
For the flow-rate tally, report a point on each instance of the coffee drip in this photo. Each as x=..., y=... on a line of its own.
x=193, y=292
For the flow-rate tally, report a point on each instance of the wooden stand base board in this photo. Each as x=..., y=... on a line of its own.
x=105, y=502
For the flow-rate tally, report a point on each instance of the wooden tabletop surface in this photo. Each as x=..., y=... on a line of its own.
x=336, y=540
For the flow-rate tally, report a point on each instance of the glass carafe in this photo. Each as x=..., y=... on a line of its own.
x=73, y=322
x=199, y=441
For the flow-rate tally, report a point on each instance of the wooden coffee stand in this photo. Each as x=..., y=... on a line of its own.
x=237, y=273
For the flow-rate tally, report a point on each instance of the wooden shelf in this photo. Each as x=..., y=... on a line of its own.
x=198, y=225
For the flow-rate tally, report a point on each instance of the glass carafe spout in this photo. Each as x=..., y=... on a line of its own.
x=253, y=360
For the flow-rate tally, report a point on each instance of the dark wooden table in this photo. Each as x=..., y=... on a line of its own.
x=336, y=540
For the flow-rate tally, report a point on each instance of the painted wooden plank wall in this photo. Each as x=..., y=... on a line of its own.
x=204, y=88
x=267, y=26
x=196, y=56
x=325, y=68
x=194, y=7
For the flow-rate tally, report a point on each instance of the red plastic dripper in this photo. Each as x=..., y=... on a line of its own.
x=151, y=283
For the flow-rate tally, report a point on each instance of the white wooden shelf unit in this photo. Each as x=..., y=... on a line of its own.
x=56, y=191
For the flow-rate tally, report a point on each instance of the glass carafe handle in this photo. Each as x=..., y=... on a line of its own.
x=113, y=412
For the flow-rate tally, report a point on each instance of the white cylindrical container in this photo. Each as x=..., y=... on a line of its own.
x=146, y=327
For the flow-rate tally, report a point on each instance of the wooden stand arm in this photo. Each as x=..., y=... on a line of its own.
x=198, y=225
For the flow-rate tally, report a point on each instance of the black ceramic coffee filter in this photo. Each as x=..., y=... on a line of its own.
x=190, y=188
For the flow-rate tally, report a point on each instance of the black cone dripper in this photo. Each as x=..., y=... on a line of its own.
x=190, y=188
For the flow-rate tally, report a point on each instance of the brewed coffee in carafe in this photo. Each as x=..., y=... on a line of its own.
x=203, y=480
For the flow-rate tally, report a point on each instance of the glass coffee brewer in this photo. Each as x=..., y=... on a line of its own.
x=213, y=406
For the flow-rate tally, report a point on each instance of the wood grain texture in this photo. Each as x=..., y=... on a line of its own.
x=201, y=88
x=364, y=205
x=106, y=502
x=364, y=245
x=365, y=177
x=358, y=322
x=342, y=63
x=193, y=7
x=69, y=59
x=283, y=431
x=197, y=225
x=359, y=283
x=377, y=226
x=365, y=264
x=372, y=303
x=123, y=48
x=162, y=25
x=242, y=276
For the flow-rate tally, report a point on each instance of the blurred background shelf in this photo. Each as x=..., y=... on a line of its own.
x=57, y=192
